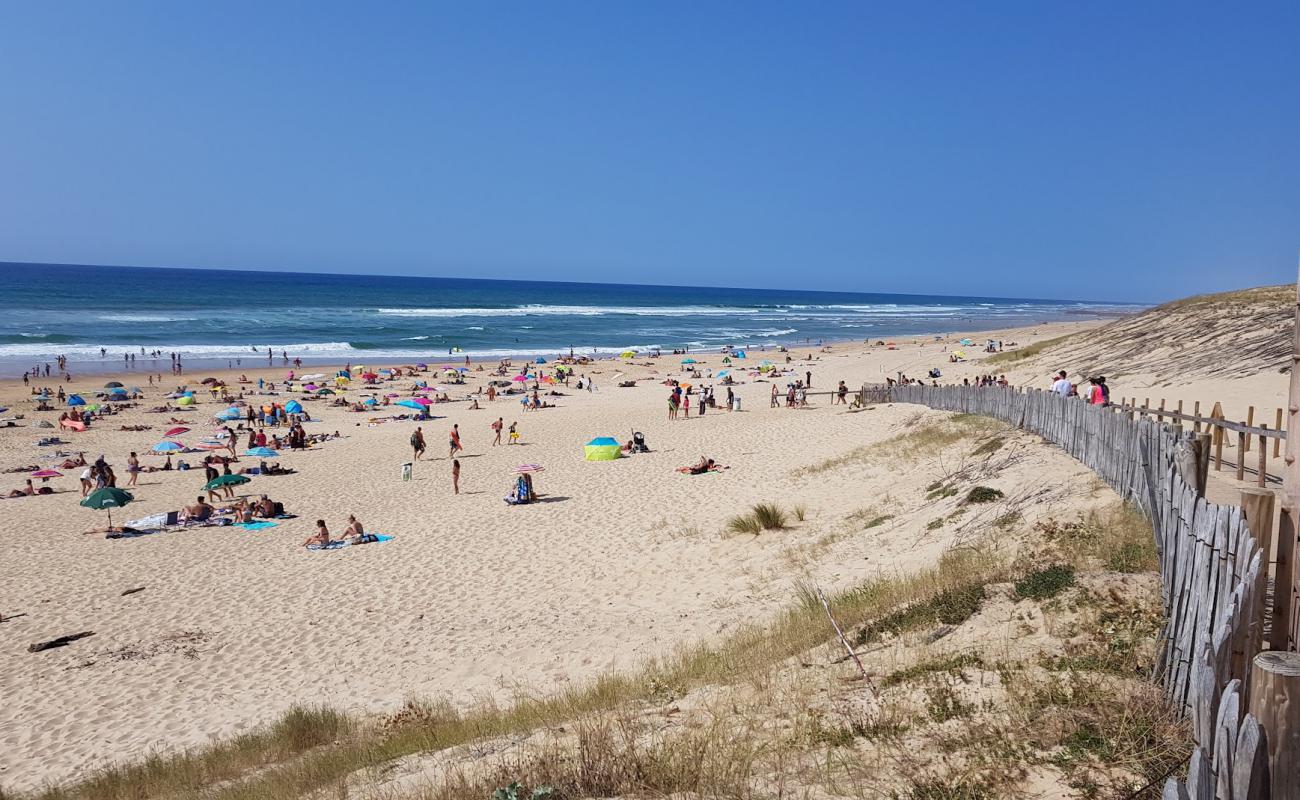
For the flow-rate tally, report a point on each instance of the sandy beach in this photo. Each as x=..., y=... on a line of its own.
x=620, y=561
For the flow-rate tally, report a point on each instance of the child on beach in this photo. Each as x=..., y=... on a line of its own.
x=514, y=433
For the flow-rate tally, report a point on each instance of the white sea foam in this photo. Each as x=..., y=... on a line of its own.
x=573, y=311
x=144, y=318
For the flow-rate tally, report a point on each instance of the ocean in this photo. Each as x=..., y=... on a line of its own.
x=217, y=317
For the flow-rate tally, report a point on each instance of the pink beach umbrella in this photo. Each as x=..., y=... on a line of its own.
x=47, y=473
x=524, y=469
x=176, y=432
x=520, y=379
x=424, y=401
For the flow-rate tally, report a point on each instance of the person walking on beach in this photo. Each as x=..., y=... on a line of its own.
x=132, y=468
x=514, y=433
x=775, y=403
x=417, y=443
x=841, y=394
x=496, y=429
x=454, y=444
x=455, y=476
x=1062, y=385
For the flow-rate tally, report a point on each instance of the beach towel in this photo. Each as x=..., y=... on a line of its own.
x=257, y=526
x=379, y=538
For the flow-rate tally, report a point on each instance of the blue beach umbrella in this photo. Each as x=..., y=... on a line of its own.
x=540, y=360
x=688, y=361
x=293, y=407
x=724, y=373
x=75, y=400
x=261, y=452
x=410, y=404
x=168, y=447
x=370, y=401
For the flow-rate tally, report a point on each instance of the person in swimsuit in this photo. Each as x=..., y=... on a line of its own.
x=132, y=468
x=417, y=443
x=455, y=473
x=321, y=537
x=454, y=444
x=496, y=428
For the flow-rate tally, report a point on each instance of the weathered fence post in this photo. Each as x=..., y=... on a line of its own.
x=1285, y=584
x=1263, y=458
x=1250, y=421
x=1202, y=462
x=1242, y=440
x=1257, y=505
x=1277, y=426
x=1275, y=702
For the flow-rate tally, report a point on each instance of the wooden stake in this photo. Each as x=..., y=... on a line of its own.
x=1277, y=426
x=1242, y=438
x=1196, y=411
x=1257, y=505
x=1161, y=416
x=1261, y=479
x=1218, y=447
x=845, y=641
x=1250, y=421
x=1275, y=703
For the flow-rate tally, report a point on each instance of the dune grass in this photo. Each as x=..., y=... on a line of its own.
x=1027, y=352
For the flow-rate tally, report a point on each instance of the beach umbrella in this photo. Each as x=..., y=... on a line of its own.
x=369, y=376
x=424, y=401
x=47, y=473
x=261, y=452
x=966, y=342
x=602, y=448
x=540, y=360
x=116, y=390
x=176, y=431
x=226, y=480
x=726, y=359
x=229, y=414
x=168, y=447
x=524, y=469
x=410, y=404
x=293, y=407
x=75, y=400
x=738, y=354
x=724, y=373
x=688, y=361
x=112, y=385
x=107, y=499
x=310, y=387
x=324, y=391
x=370, y=401
x=187, y=400
x=627, y=354
x=520, y=379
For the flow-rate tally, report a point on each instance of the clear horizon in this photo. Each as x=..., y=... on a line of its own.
x=1024, y=151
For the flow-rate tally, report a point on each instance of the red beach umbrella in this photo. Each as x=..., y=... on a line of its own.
x=176, y=432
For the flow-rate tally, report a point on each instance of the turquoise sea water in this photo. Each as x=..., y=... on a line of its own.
x=217, y=316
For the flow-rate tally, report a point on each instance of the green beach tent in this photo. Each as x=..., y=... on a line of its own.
x=602, y=448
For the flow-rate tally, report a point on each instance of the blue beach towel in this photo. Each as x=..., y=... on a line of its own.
x=257, y=526
x=379, y=537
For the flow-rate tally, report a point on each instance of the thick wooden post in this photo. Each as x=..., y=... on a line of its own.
x=1277, y=426
x=1286, y=543
x=1196, y=411
x=1202, y=462
x=1250, y=421
x=1160, y=417
x=1275, y=703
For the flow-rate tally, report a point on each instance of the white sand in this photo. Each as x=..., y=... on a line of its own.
x=472, y=597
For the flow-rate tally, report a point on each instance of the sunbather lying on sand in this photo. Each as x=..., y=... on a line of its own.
x=704, y=465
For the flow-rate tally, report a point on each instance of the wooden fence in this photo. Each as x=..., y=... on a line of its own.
x=1212, y=567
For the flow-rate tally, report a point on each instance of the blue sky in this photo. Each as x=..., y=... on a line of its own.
x=1103, y=150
